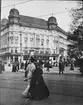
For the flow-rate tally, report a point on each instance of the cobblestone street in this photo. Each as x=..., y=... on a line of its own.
x=65, y=89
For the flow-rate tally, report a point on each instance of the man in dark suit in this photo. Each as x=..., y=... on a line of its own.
x=81, y=65
x=61, y=65
x=1, y=67
x=26, y=64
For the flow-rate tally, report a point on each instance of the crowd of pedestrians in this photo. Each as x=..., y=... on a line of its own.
x=34, y=71
x=62, y=63
x=34, y=78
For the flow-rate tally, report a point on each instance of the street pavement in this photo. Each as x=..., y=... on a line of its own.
x=65, y=89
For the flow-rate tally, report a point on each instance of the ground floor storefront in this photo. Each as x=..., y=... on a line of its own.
x=9, y=57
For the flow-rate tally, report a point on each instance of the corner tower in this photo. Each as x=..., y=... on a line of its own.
x=52, y=23
x=14, y=16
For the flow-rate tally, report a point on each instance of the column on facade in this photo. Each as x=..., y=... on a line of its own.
x=19, y=58
x=13, y=58
x=65, y=52
x=44, y=51
x=8, y=59
x=39, y=51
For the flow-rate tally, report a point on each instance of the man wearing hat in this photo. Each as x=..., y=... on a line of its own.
x=30, y=69
x=81, y=65
x=1, y=67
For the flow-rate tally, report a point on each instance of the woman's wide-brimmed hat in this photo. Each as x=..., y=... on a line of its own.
x=40, y=62
x=32, y=59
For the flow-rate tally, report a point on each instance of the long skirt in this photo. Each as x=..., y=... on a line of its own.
x=26, y=91
x=38, y=89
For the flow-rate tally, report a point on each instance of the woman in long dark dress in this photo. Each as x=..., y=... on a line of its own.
x=38, y=89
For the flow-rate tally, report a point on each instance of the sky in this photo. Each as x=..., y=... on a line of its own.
x=41, y=9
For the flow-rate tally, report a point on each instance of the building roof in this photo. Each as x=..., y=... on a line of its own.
x=33, y=22
x=37, y=23
x=61, y=30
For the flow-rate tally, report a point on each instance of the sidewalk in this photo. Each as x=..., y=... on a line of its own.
x=66, y=71
x=52, y=70
x=56, y=70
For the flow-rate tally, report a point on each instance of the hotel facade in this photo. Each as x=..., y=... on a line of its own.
x=21, y=35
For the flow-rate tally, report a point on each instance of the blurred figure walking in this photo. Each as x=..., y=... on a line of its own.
x=1, y=67
x=26, y=72
x=61, y=65
x=81, y=65
x=72, y=64
x=38, y=89
x=47, y=65
x=30, y=69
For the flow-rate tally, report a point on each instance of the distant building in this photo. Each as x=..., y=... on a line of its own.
x=21, y=35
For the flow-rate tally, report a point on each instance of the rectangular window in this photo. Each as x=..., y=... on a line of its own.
x=11, y=42
x=11, y=50
x=42, y=42
x=11, y=39
x=26, y=39
x=16, y=40
x=47, y=41
x=38, y=42
x=32, y=39
x=15, y=50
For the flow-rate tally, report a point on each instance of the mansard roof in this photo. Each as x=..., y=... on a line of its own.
x=33, y=22
x=37, y=23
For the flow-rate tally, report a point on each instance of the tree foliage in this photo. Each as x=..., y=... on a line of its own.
x=76, y=27
x=76, y=15
x=76, y=49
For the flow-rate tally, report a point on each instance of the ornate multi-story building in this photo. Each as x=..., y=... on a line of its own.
x=21, y=35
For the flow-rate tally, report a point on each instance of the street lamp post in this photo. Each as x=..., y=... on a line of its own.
x=20, y=45
x=0, y=24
